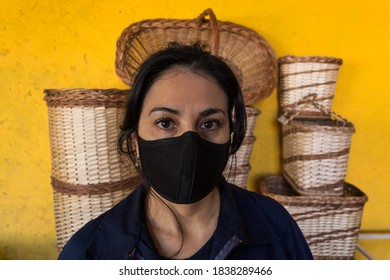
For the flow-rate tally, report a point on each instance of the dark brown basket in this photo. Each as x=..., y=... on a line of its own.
x=249, y=55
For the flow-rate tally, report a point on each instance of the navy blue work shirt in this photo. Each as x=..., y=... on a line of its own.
x=250, y=226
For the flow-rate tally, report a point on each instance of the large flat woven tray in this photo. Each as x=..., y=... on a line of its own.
x=249, y=55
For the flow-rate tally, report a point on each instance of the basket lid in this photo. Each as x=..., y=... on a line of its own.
x=248, y=54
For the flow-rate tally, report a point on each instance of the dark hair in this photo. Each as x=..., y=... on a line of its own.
x=196, y=59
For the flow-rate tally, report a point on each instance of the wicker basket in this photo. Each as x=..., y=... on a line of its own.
x=252, y=114
x=239, y=163
x=88, y=176
x=300, y=76
x=237, y=176
x=315, y=154
x=75, y=205
x=330, y=224
x=244, y=153
x=249, y=55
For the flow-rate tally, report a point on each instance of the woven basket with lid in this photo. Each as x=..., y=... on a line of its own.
x=315, y=155
x=248, y=54
x=315, y=150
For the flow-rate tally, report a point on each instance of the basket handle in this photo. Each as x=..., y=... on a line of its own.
x=289, y=115
x=214, y=28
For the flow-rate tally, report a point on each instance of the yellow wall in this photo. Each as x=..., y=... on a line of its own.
x=64, y=43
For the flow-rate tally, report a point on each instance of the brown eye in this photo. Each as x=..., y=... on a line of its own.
x=165, y=123
x=210, y=124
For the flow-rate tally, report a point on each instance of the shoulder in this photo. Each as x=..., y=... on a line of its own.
x=263, y=218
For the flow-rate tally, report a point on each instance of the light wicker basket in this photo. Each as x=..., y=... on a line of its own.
x=300, y=76
x=75, y=205
x=237, y=176
x=88, y=175
x=315, y=154
x=330, y=224
x=244, y=153
x=238, y=164
x=252, y=114
x=249, y=55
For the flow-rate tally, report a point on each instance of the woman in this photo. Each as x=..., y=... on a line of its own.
x=185, y=117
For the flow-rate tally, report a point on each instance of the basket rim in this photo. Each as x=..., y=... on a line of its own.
x=94, y=189
x=313, y=124
x=262, y=89
x=296, y=199
x=287, y=59
x=58, y=91
x=86, y=97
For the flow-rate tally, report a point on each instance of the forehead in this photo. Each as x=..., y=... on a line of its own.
x=181, y=87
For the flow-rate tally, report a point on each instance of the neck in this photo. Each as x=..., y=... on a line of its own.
x=182, y=227
x=201, y=211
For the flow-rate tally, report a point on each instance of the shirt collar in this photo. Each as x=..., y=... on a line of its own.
x=127, y=224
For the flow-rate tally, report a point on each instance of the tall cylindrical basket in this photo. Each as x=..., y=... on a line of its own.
x=88, y=175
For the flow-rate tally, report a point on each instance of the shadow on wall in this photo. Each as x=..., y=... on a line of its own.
x=28, y=250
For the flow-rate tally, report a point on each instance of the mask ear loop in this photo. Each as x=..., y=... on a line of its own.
x=137, y=160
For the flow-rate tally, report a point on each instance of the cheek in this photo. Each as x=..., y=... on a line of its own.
x=220, y=137
x=225, y=137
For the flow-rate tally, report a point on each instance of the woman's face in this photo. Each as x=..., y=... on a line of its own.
x=181, y=101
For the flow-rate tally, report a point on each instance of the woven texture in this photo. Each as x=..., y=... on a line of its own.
x=88, y=176
x=75, y=205
x=315, y=155
x=238, y=166
x=249, y=55
x=330, y=224
x=300, y=76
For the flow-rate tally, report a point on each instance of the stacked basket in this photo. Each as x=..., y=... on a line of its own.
x=238, y=166
x=316, y=144
x=88, y=176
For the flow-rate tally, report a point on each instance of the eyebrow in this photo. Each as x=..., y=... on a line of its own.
x=164, y=109
x=204, y=113
x=211, y=111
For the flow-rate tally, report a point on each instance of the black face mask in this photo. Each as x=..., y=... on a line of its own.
x=183, y=169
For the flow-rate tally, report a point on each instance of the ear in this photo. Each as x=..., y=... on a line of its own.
x=134, y=140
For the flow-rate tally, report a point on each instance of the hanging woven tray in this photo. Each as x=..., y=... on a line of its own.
x=249, y=55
